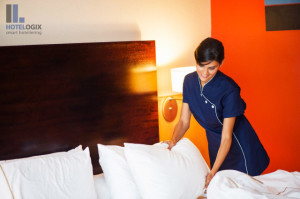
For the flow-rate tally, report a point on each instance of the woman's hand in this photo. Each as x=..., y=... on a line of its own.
x=170, y=143
x=208, y=178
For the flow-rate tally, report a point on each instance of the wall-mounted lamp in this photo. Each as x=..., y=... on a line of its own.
x=170, y=105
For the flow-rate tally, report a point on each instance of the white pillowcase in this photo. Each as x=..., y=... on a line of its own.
x=163, y=174
x=153, y=171
x=63, y=176
x=78, y=148
x=116, y=172
x=101, y=187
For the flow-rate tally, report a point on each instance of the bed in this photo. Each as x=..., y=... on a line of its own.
x=56, y=97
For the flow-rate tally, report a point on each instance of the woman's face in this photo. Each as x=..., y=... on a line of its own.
x=207, y=71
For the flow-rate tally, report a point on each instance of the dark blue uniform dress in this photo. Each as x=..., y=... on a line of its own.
x=218, y=99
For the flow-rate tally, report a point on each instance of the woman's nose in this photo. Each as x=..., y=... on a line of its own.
x=205, y=71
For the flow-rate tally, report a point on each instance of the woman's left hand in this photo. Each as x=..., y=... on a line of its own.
x=208, y=178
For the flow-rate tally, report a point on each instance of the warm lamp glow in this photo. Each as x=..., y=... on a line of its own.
x=143, y=79
x=170, y=104
x=177, y=76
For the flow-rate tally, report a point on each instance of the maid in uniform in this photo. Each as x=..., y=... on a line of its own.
x=214, y=100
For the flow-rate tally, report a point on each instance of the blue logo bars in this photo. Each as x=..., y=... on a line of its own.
x=12, y=14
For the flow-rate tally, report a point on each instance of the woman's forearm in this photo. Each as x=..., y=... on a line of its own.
x=222, y=153
x=179, y=131
x=183, y=125
x=225, y=144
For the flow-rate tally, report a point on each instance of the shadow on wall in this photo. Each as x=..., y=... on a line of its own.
x=116, y=32
x=75, y=33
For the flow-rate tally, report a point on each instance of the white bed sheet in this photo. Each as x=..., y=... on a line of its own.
x=230, y=184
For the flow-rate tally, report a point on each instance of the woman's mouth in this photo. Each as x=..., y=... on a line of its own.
x=204, y=76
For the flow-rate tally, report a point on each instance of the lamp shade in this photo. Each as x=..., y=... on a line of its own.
x=177, y=76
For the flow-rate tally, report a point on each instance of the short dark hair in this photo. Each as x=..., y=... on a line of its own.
x=209, y=49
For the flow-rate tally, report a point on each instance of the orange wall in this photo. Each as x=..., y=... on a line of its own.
x=266, y=65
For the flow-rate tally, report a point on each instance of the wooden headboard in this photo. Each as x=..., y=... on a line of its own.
x=55, y=97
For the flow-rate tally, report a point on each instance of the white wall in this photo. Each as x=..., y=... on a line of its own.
x=177, y=26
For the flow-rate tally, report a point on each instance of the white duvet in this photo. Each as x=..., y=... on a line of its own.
x=230, y=184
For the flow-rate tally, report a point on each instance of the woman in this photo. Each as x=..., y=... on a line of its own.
x=214, y=100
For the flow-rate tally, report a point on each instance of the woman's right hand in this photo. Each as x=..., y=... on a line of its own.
x=170, y=143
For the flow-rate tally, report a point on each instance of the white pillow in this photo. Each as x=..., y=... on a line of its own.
x=62, y=176
x=116, y=172
x=101, y=187
x=163, y=174
x=78, y=148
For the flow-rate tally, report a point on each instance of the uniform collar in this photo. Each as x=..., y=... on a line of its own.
x=210, y=81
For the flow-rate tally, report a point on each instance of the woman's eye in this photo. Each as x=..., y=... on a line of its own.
x=212, y=68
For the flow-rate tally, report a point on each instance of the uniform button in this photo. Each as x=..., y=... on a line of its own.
x=205, y=101
x=213, y=106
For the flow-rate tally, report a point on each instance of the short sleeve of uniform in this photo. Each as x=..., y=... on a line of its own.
x=233, y=104
x=185, y=92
